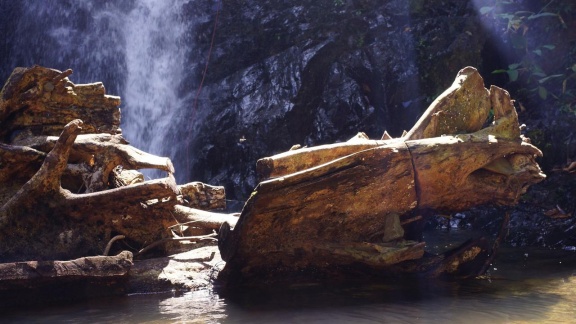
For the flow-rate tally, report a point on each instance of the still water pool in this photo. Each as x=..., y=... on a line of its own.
x=524, y=286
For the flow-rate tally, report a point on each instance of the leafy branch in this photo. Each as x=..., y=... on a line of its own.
x=517, y=26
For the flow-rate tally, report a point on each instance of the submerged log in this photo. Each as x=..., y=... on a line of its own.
x=356, y=203
x=70, y=181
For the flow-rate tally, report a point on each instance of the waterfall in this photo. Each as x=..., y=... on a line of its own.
x=137, y=48
x=155, y=57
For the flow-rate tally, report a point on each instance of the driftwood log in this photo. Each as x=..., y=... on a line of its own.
x=69, y=180
x=357, y=205
x=42, y=282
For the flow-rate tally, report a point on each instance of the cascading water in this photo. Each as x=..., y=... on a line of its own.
x=137, y=48
x=155, y=55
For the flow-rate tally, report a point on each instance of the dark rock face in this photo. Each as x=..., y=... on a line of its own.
x=315, y=72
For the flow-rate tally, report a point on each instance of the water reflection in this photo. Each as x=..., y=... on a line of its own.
x=203, y=306
x=499, y=301
x=524, y=286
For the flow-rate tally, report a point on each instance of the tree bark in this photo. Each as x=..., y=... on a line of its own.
x=201, y=218
x=95, y=266
x=42, y=282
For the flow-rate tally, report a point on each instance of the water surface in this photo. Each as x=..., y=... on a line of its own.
x=523, y=286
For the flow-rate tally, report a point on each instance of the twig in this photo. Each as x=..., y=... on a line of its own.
x=549, y=3
x=411, y=220
x=183, y=238
x=112, y=240
x=177, y=224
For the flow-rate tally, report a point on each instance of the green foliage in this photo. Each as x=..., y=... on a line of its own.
x=535, y=75
x=520, y=28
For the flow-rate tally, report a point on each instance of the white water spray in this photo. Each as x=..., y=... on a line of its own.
x=155, y=60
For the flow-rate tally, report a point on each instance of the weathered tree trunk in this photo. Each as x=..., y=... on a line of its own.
x=69, y=179
x=46, y=271
x=40, y=101
x=26, y=283
x=348, y=204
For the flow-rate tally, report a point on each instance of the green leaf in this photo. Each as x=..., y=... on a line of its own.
x=573, y=68
x=544, y=14
x=550, y=47
x=542, y=92
x=485, y=10
x=513, y=75
x=537, y=52
x=513, y=66
x=506, y=71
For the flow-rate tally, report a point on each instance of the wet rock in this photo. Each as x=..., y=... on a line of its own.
x=318, y=72
x=185, y=271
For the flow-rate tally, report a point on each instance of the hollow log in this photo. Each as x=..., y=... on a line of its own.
x=361, y=199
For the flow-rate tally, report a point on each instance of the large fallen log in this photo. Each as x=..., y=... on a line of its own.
x=357, y=203
x=56, y=281
x=69, y=180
